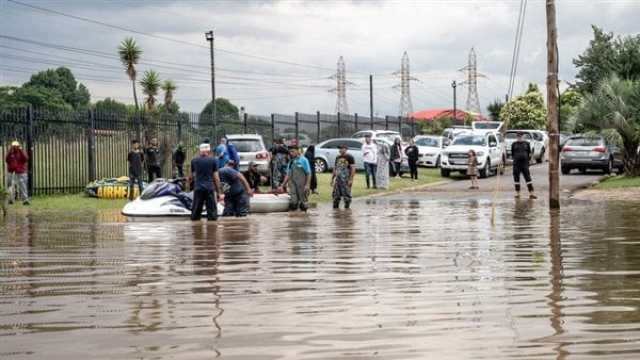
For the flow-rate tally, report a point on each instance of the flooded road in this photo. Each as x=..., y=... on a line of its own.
x=395, y=278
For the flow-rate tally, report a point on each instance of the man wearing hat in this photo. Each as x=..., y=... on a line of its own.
x=299, y=176
x=342, y=180
x=17, y=160
x=204, y=170
x=521, y=154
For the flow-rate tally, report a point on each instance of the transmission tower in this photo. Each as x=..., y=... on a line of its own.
x=471, y=70
x=341, y=87
x=406, y=107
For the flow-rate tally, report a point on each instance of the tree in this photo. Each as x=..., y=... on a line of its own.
x=569, y=102
x=526, y=111
x=616, y=105
x=150, y=85
x=435, y=126
x=62, y=81
x=111, y=106
x=130, y=53
x=12, y=98
x=225, y=110
x=169, y=88
x=494, y=109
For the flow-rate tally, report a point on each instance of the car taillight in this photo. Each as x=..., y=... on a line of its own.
x=600, y=149
x=566, y=149
x=263, y=155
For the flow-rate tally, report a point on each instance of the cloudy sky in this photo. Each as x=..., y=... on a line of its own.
x=279, y=56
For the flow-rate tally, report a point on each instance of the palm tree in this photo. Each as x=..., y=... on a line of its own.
x=169, y=87
x=130, y=53
x=150, y=85
x=615, y=105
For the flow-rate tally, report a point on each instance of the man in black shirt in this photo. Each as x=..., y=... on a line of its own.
x=342, y=180
x=521, y=154
x=178, y=160
x=413, y=154
x=204, y=169
x=253, y=177
x=135, y=159
x=153, y=160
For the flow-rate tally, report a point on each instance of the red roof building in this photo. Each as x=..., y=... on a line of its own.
x=434, y=114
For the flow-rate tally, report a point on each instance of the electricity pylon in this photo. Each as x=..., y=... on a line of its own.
x=471, y=70
x=406, y=106
x=341, y=87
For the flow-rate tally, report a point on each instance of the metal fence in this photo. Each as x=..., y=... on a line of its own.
x=67, y=150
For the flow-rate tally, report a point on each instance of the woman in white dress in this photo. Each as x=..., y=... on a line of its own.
x=382, y=172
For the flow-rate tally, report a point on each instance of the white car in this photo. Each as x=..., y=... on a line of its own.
x=450, y=133
x=385, y=134
x=251, y=148
x=487, y=148
x=496, y=126
x=429, y=149
x=537, y=147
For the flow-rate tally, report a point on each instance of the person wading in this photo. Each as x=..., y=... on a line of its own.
x=204, y=170
x=342, y=180
x=413, y=154
x=179, y=156
x=153, y=160
x=396, y=157
x=310, y=154
x=382, y=172
x=17, y=176
x=236, y=191
x=521, y=154
x=135, y=159
x=279, y=161
x=370, y=159
x=299, y=178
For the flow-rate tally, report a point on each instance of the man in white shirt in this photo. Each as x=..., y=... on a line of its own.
x=370, y=159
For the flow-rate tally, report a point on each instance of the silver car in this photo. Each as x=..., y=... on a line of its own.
x=327, y=151
x=590, y=152
x=251, y=148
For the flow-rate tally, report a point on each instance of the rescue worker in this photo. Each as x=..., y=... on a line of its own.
x=17, y=174
x=153, y=160
x=204, y=170
x=135, y=159
x=342, y=179
x=521, y=154
x=299, y=175
x=236, y=191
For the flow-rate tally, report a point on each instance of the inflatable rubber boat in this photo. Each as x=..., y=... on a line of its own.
x=165, y=198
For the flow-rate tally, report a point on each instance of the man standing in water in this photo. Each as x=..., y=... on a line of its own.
x=299, y=175
x=342, y=180
x=135, y=159
x=204, y=170
x=236, y=191
x=153, y=160
x=370, y=158
x=521, y=154
x=17, y=174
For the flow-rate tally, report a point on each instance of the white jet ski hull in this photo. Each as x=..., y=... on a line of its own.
x=266, y=203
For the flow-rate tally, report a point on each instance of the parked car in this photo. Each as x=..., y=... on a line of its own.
x=563, y=138
x=251, y=148
x=537, y=146
x=487, y=125
x=429, y=148
x=303, y=139
x=584, y=152
x=487, y=148
x=386, y=134
x=327, y=151
x=450, y=133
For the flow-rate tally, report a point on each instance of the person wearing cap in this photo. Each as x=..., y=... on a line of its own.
x=204, y=170
x=299, y=176
x=370, y=159
x=236, y=191
x=253, y=177
x=521, y=154
x=135, y=158
x=17, y=176
x=343, y=172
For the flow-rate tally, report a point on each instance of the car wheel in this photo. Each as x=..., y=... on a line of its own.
x=445, y=172
x=609, y=168
x=583, y=171
x=486, y=170
x=320, y=165
x=565, y=170
x=541, y=158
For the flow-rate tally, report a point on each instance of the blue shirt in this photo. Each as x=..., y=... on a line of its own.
x=233, y=155
x=222, y=154
x=300, y=161
x=230, y=179
x=203, y=168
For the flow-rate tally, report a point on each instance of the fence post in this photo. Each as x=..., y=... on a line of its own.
x=29, y=140
x=413, y=127
x=356, y=121
x=273, y=127
x=318, y=127
x=91, y=145
x=339, y=132
x=244, y=123
x=296, y=118
x=386, y=122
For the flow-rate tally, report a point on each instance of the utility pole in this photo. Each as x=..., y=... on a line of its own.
x=552, y=105
x=209, y=36
x=371, y=98
x=454, y=85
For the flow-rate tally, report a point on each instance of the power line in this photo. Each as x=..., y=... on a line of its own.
x=516, y=47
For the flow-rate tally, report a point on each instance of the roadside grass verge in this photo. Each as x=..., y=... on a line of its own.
x=618, y=182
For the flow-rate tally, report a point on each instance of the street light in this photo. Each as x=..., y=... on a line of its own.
x=209, y=36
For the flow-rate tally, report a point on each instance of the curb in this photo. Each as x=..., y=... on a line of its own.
x=409, y=189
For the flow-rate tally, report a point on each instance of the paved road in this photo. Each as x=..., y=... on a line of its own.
x=459, y=187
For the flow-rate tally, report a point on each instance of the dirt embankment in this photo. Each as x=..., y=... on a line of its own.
x=620, y=194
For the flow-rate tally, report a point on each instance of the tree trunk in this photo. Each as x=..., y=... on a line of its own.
x=631, y=159
x=135, y=96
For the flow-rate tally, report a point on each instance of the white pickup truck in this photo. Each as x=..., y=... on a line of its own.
x=488, y=149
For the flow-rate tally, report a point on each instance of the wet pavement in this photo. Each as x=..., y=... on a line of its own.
x=402, y=277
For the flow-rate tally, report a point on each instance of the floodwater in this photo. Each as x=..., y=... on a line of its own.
x=391, y=279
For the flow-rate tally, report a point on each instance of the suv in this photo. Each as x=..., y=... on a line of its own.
x=590, y=152
x=327, y=151
x=450, y=133
x=251, y=148
x=488, y=149
x=385, y=134
x=487, y=126
x=535, y=139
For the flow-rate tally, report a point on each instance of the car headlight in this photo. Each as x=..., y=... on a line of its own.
x=480, y=153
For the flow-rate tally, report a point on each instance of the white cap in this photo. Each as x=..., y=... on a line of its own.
x=205, y=147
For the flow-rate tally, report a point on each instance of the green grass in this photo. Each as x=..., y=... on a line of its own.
x=618, y=182
x=359, y=189
x=72, y=202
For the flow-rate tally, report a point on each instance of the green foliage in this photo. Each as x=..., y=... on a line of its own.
x=570, y=100
x=169, y=88
x=435, y=126
x=526, y=111
x=36, y=96
x=129, y=53
x=494, y=109
x=111, y=106
x=150, y=85
x=619, y=182
x=224, y=110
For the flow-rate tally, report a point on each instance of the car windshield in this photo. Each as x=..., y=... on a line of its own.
x=432, y=142
x=584, y=141
x=486, y=125
x=362, y=134
x=247, y=145
x=514, y=135
x=476, y=140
